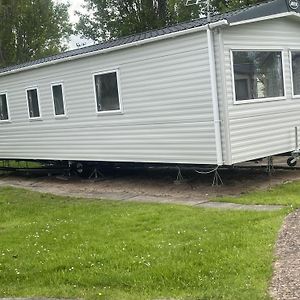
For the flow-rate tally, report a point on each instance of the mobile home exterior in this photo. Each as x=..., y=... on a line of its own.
x=196, y=93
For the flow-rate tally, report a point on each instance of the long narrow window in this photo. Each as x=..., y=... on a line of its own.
x=4, y=115
x=107, y=92
x=58, y=99
x=296, y=72
x=258, y=75
x=33, y=103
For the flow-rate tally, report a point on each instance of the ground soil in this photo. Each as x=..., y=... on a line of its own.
x=150, y=183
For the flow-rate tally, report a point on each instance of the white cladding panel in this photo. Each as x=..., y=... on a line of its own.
x=265, y=128
x=165, y=90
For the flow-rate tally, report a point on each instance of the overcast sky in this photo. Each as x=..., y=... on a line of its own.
x=75, y=5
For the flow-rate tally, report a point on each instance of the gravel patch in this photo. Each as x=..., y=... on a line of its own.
x=285, y=283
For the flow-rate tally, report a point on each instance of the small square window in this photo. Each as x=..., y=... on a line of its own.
x=33, y=103
x=3, y=108
x=58, y=99
x=107, y=92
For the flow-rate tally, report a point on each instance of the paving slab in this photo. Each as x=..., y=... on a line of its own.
x=235, y=206
x=40, y=186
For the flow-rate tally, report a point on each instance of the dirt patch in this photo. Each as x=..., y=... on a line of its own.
x=147, y=184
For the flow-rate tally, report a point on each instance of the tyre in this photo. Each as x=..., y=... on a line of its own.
x=291, y=161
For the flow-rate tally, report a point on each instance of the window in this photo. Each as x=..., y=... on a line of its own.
x=58, y=99
x=33, y=103
x=258, y=75
x=296, y=72
x=3, y=108
x=107, y=92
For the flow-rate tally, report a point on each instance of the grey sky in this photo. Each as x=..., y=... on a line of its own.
x=75, y=5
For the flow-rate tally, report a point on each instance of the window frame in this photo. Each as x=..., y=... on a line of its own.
x=7, y=104
x=258, y=100
x=109, y=112
x=294, y=96
x=61, y=83
x=34, y=87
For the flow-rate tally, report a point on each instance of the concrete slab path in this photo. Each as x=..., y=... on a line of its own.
x=43, y=187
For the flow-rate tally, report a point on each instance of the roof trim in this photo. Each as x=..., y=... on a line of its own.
x=133, y=44
x=265, y=18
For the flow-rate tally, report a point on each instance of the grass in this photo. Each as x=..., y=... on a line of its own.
x=62, y=247
x=19, y=164
x=286, y=194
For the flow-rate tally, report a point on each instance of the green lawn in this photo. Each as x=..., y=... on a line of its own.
x=286, y=194
x=19, y=164
x=62, y=247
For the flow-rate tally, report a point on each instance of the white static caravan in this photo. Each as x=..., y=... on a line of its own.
x=197, y=93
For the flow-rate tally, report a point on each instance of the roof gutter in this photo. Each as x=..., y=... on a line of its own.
x=133, y=44
x=280, y=15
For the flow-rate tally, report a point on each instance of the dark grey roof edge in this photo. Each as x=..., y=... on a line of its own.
x=270, y=7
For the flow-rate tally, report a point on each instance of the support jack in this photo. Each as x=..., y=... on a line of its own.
x=270, y=166
x=217, y=181
x=295, y=155
x=96, y=175
x=179, y=178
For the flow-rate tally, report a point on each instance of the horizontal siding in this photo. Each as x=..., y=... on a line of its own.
x=266, y=128
x=165, y=90
x=148, y=143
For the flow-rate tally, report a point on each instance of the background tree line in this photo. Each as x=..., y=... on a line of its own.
x=32, y=29
x=114, y=18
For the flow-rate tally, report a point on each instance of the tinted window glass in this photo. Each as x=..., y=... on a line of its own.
x=107, y=94
x=33, y=103
x=58, y=99
x=3, y=107
x=296, y=72
x=257, y=74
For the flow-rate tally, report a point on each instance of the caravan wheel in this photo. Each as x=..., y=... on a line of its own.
x=292, y=161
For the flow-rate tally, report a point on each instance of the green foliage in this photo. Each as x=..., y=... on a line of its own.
x=68, y=248
x=31, y=29
x=115, y=18
x=227, y=5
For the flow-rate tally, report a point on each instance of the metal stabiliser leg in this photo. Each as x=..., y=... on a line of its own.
x=179, y=178
x=292, y=161
x=217, y=181
x=270, y=166
x=96, y=174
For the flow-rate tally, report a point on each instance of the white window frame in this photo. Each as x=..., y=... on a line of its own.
x=61, y=83
x=291, y=72
x=259, y=100
x=109, y=112
x=7, y=104
x=35, y=87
